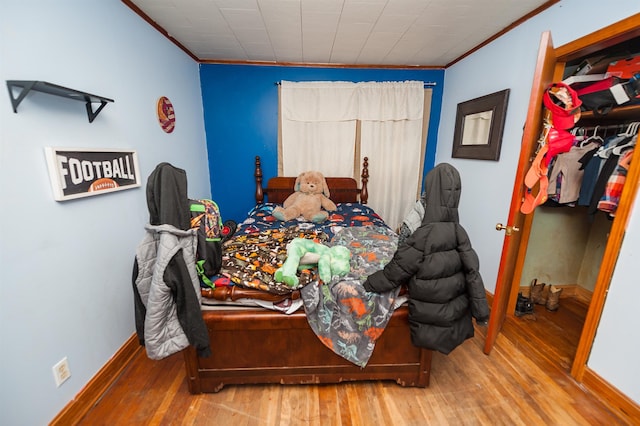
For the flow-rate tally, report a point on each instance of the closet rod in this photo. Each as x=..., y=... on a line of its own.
x=607, y=127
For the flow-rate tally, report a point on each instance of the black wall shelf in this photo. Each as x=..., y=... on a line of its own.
x=54, y=89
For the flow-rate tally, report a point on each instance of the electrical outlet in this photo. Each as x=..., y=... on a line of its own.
x=61, y=371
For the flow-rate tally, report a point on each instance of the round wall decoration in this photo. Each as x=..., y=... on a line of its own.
x=166, y=114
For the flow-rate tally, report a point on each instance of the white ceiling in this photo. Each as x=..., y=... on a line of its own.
x=352, y=32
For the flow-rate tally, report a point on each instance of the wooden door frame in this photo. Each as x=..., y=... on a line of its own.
x=606, y=37
x=510, y=273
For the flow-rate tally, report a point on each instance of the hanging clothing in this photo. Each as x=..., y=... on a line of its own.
x=166, y=287
x=567, y=166
x=613, y=191
x=593, y=164
x=608, y=168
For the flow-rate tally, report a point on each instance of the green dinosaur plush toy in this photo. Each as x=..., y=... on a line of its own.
x=303, y=252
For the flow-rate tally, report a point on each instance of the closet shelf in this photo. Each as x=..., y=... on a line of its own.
x=54, y=89
x=621, y=113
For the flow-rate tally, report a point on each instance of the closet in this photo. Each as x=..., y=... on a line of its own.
x=563, y=245
x=569, y=232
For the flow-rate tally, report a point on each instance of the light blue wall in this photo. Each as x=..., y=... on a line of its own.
x=65, y=280
x=616, y=348
x=509, y=62
x=241, y=120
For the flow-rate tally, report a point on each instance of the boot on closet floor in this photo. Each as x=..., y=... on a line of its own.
x=523, y=306
x=535, y=292
x=553, y=298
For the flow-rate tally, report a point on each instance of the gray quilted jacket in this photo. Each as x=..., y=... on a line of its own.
x=165, y=285
x=165, y=282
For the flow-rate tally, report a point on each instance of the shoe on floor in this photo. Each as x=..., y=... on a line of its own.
x=553, y=298
x=524, y=306
x=536, y=292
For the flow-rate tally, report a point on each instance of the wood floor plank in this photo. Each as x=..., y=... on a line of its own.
x=345, y=413
x=524, y=381
x=329, y=405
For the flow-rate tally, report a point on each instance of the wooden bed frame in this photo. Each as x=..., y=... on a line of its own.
x=254, y=345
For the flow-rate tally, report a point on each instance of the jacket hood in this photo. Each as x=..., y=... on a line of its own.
x=167, y=198
x=443, y=186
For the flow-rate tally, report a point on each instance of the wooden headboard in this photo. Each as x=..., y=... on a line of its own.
x=343, y=189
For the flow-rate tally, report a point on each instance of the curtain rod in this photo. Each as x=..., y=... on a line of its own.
x=426, y=83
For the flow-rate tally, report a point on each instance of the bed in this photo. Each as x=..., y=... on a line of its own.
x=255, y=343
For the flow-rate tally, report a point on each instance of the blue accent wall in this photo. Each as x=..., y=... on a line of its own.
x=241, y=121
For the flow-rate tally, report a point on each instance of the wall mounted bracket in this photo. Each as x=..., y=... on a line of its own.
x=54, y=89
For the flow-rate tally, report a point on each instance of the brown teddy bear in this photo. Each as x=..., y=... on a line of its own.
x=311, y=195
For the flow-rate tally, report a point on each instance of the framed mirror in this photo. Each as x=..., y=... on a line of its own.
x=479, y=127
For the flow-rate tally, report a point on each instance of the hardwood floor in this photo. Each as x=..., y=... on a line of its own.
x=524, y=381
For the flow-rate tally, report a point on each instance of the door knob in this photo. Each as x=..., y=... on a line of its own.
x=508, y=229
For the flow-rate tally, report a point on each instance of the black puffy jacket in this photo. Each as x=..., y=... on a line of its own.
x=440, y=268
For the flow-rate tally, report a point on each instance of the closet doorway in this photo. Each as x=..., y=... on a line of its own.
x=550, y=68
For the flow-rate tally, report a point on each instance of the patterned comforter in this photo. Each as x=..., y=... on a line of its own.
x=346, y=215
x=346, y=318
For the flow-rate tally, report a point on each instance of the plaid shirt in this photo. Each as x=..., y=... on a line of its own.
x=611, y=198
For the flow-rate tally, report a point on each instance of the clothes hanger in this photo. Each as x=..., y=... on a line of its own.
x=632, y=129
x=606, y=151
x=593, y=138
x=617, y=150
x=632, y=132
x=606, y=147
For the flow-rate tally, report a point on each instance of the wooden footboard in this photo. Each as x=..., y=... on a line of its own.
x=259, y=346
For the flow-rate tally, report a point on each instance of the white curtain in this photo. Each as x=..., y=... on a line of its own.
x=318, y=127
x=391, y=115
x=319, y=133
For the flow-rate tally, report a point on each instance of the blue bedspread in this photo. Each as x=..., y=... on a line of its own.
x=346, y=215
